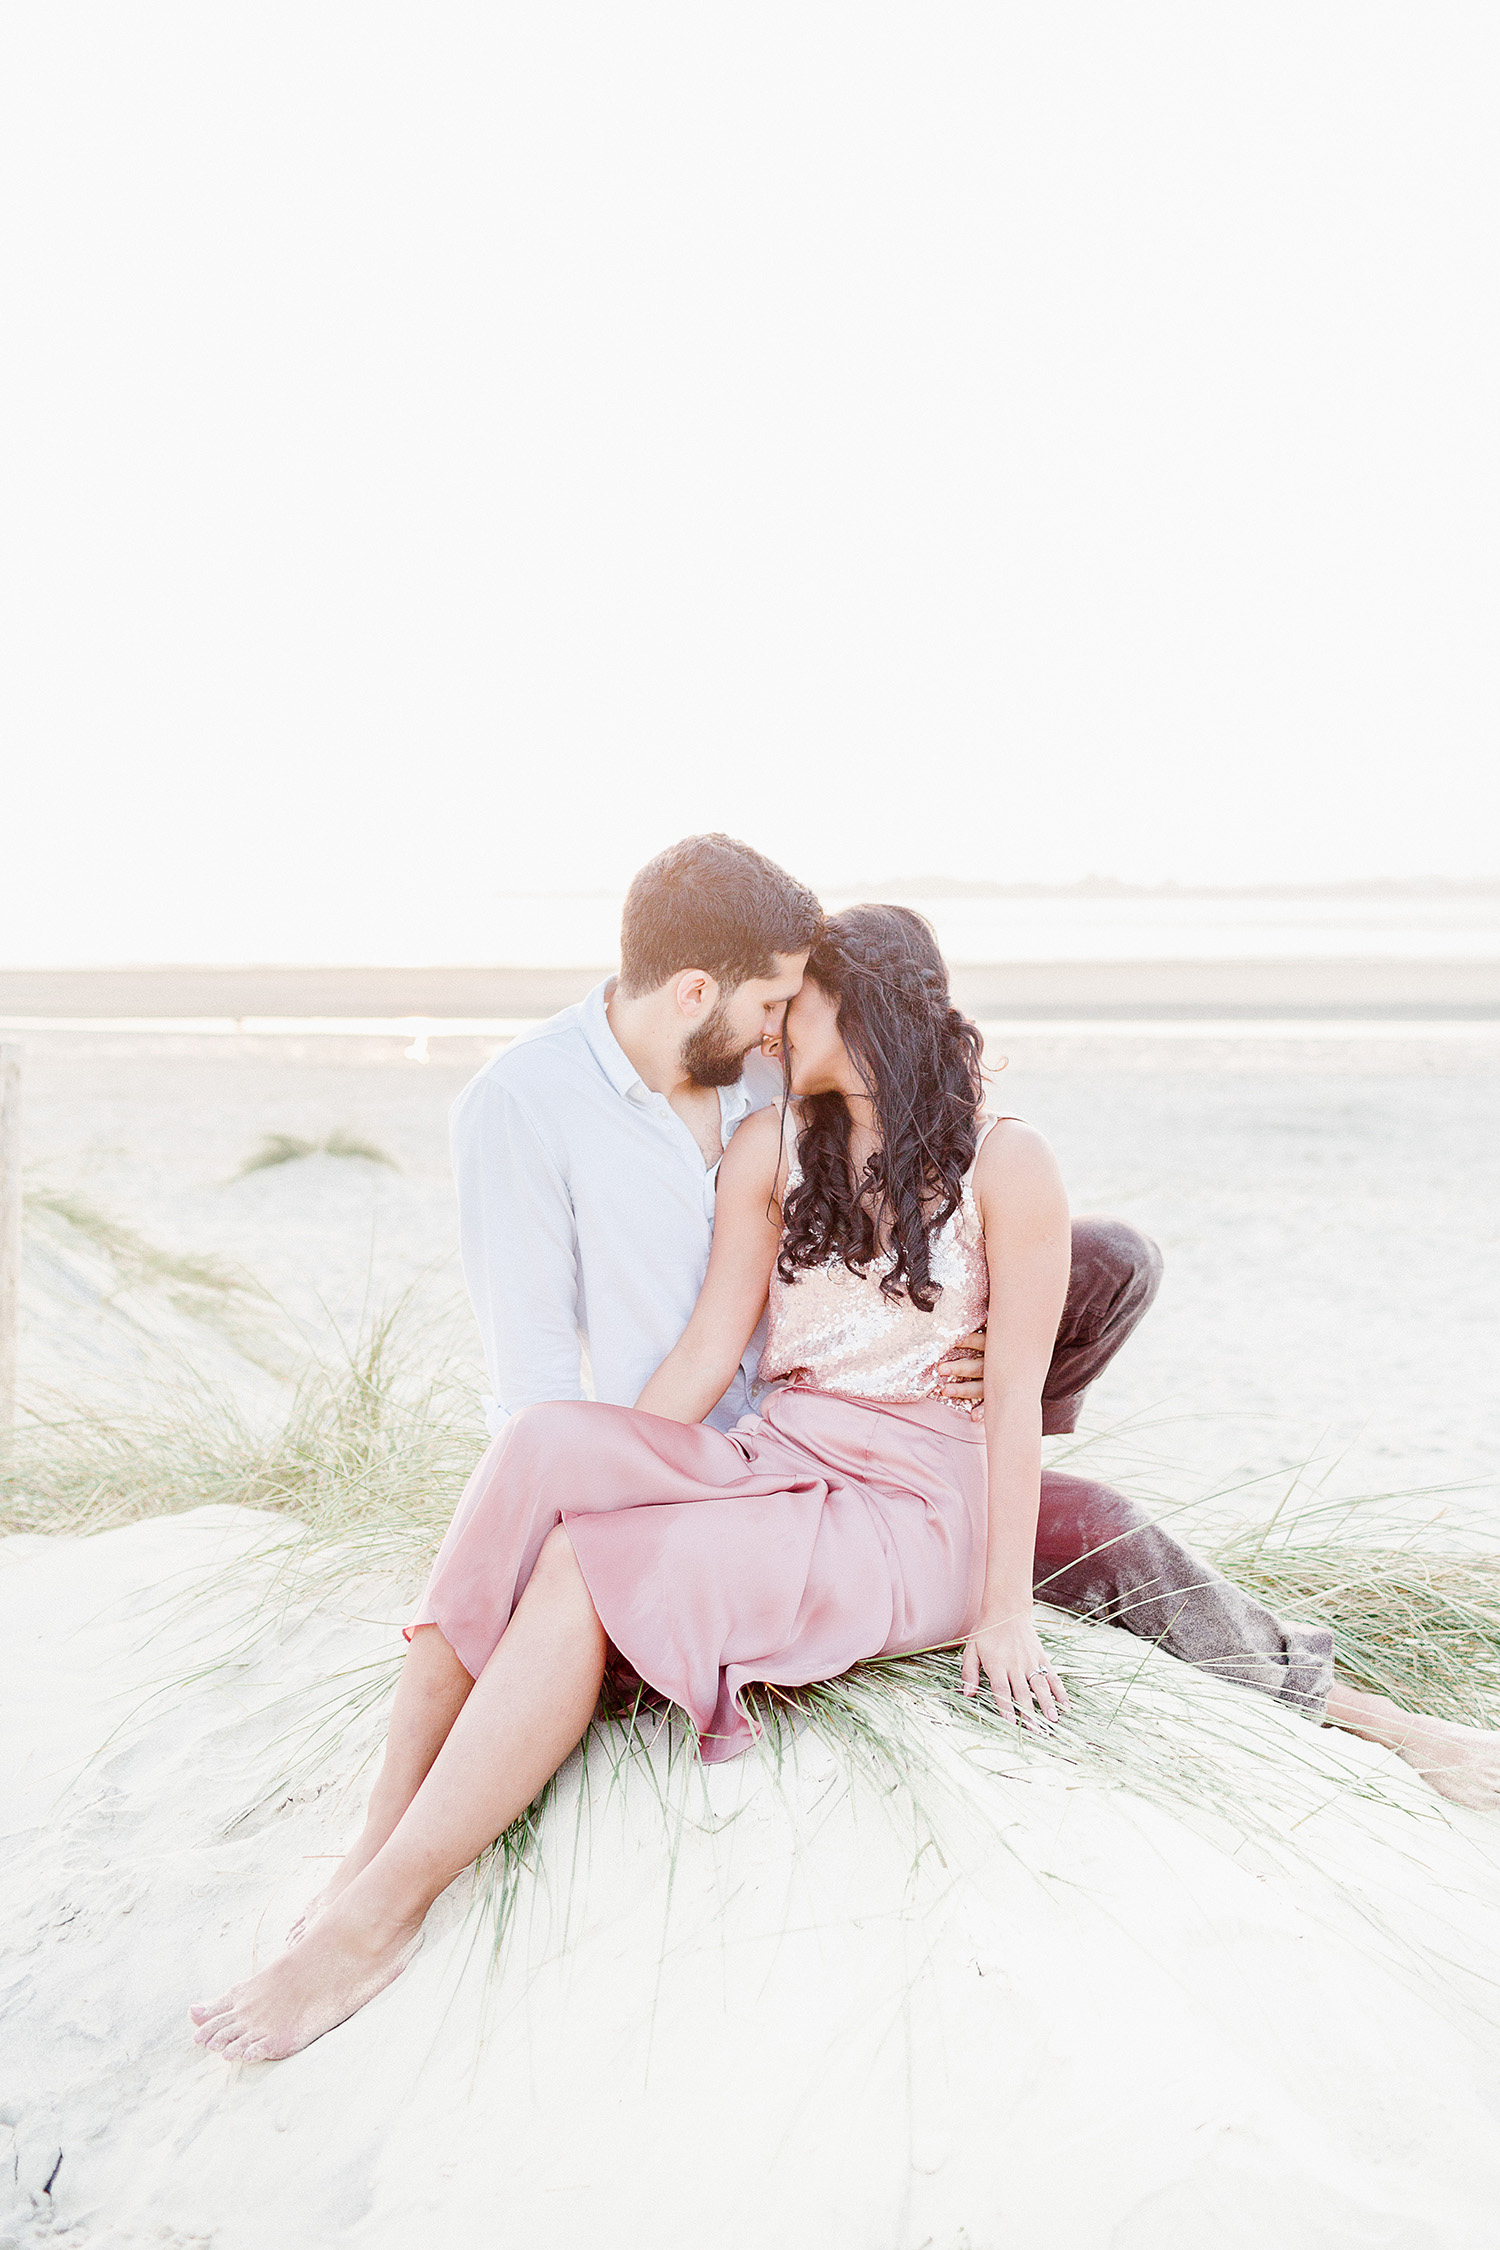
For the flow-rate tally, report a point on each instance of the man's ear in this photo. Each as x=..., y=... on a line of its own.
x=695, y=992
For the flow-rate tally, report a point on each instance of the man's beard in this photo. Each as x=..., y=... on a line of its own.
x=707, y=1057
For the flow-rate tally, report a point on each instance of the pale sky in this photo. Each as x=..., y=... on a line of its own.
x=456, y=449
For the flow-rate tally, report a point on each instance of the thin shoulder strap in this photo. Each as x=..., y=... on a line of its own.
x=986, y=1127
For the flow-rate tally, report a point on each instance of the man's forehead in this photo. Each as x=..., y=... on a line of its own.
x=789, y=972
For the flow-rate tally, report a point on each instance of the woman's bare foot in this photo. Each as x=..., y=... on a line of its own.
x=337, y=1969
x=354, y=1862
x=1460, y=1763
x=305, y=1919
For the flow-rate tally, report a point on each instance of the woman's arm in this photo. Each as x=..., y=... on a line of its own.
x=747, y=1228
x=1028, y=1244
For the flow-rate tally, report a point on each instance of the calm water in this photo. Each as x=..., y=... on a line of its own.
x=1408, y=925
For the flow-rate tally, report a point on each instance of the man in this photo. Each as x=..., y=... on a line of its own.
x=586, y=1155
x=586, y=1152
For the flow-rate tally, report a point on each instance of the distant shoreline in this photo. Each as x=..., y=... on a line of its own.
x=1106, y=887
x=1082, y=990
x=943, y=887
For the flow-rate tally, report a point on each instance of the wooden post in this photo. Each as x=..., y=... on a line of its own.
x=10, y=1231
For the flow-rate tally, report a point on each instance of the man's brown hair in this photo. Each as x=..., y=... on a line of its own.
x=713, y=904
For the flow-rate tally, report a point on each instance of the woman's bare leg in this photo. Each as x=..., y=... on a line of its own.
x=528, y=1709
x=432, y=1691
x=1460, y=1763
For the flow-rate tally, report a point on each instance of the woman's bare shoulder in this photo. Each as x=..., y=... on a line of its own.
x=1008, y=1139
x=1016, y=1161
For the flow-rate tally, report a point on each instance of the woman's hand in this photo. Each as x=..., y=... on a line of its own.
x=1023, y=1683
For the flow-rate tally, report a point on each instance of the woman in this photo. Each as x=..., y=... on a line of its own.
x=859, y=1513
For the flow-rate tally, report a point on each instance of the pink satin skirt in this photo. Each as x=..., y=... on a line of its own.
x=817, y=1532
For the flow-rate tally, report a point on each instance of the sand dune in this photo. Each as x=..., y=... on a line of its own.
x=764, y=2018
x=751, y=2009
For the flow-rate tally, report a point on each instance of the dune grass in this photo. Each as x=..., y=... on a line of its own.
x=361, y=1475
x=123, y=1263
x=379, y=1437
x=364, y=1466
x=288, y=1148
x=1413, y=1621
x=137, y=1262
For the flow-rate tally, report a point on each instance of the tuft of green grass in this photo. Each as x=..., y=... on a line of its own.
x=288, y=1148
x=200, y=1288
x=367, y=1463
x=1411, y=1621
x=137, y=1262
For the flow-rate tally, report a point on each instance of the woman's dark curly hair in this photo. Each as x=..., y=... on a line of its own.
x=920, y=1060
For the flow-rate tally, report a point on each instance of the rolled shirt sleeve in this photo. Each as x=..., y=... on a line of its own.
x=518, y=1243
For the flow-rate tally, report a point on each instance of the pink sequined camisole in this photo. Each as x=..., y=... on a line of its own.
x=831, y=1330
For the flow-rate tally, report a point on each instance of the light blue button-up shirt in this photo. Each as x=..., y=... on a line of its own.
x=585, y=1215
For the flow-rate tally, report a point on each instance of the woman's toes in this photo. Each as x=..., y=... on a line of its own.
x=203, y=2010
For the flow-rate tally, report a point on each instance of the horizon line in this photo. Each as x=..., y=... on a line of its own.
x=1103, y=886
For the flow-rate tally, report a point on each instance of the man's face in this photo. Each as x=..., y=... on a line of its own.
x=713, y=1053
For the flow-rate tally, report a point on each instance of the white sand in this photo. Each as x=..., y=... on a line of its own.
x=1093, y=2024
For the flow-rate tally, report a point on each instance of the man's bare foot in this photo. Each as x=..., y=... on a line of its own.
x=1460, y=1763
x=337, y=1969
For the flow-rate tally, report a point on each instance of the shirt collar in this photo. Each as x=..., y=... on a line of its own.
x=734, y=1104
x=604, y=1046
x=734, y=1101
